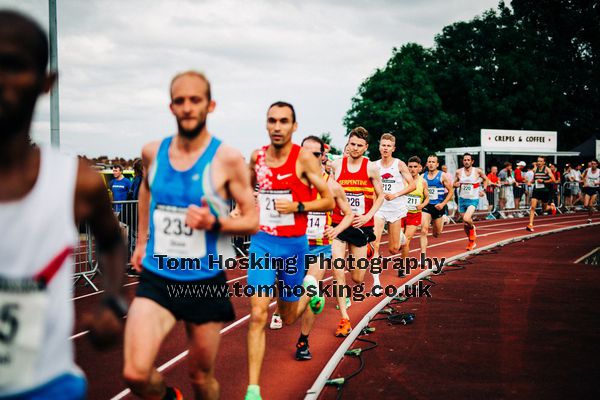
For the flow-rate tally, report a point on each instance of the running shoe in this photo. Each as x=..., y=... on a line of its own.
x=370, y=250
x=173, y=394
x=276, y=322
x=253, y=393
x=529, y=228
x=552, y=209
x=589, y=221
x=344, y=328
x=302, y=352
x=348, y=304
x=316, y=303
x=402, y=238
x=471, y=245
x=472, y=234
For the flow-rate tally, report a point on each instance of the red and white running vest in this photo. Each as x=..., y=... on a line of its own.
x=280, y=183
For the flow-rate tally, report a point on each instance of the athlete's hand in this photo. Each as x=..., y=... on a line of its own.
x=137, y=256
x=285, y=206
x=420, y=207
x=235, y=213
x=360, y=220
x=439, y=206
x=331, y=233
x=390, y=196
x=105, y=328
x=199, y=217
x=481, y=193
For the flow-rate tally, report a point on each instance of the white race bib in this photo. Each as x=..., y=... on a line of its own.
x=269, y=216
x=173, y=238
x=467, y=190
x=357, y=202
x=315, y=227
x=412, y=201
x=433, y=193
x=539, y=185
x=23, y=306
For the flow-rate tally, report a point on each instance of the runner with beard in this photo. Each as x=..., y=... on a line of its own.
x=184, y=203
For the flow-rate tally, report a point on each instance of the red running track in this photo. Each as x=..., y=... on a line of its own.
x=521, y=322
x=104, y=369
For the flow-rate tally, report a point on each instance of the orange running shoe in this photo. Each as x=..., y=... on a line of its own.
x=472, y=234
x=370, y=250
x=529, y=228
x=344, y=328
x=173, y=394
x=471, y=245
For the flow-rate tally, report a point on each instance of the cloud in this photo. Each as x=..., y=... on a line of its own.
x=116, y=60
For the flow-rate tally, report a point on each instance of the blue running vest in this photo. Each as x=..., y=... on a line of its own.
x=435, y=185
x=174, y=250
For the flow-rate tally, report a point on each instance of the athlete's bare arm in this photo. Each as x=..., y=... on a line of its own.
x=410, y=182
x=551, y=175
x=342, y=202
x=231, y=174
x=149, y=152
x=307, y=167
x=373, y=172
x=583, y=178
x=336, y=168
x=425, y=195
x=92, y=204
x=483, y=176
x=457, y=178
x=252, y=171
x=449, y=195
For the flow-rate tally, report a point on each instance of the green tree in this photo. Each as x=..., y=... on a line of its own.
x=326, y=138
x=400, y=99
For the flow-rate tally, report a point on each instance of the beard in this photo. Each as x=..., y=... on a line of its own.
x=191, y=133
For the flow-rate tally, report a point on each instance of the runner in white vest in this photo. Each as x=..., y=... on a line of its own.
x=591, y=187
x=397, y=182
x=39, y=215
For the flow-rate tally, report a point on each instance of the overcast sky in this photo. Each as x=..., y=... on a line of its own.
x=116, y=59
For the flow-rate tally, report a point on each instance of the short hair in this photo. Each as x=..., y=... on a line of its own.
x=388, y=136
x=468, y=154
x=285, y=104
x=507, y=164
x=197, y=74
x=436, y=157
x=314, y=138
x=119, y=166
x=414, y=159
x=542, y=157
x=360, y=133
x=18, y=28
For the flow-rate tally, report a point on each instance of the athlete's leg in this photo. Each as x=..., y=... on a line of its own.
x=256, y=335
x=308, y=318
x=338, y=250
x=147, y=325
x=532, y=211
x=438, y=226
x=379, y=224
x=409, y=231
x=425, y=221
x=359, y=253
x=204, y=343
x=394, y=229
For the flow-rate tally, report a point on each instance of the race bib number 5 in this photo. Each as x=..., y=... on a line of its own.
x=172, y=237
x=23, y=305
x=357, y=202
x=269, y=216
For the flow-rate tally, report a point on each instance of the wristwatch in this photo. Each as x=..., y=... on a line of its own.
x=300, y=207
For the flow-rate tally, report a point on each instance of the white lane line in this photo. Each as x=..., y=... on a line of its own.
x=583, y=257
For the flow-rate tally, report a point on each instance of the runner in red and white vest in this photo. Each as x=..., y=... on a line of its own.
x=362, y=183
x=285, y=174
x=39, y=216
x=397, y=182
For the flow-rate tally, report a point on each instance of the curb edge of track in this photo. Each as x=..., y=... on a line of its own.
x=318, y=385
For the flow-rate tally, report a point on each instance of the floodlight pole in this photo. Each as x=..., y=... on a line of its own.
x=54, y=117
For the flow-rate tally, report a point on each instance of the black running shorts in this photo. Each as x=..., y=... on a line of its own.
x=434, y=212
x=542, y=195
x=198, y=302
x=358, y=237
